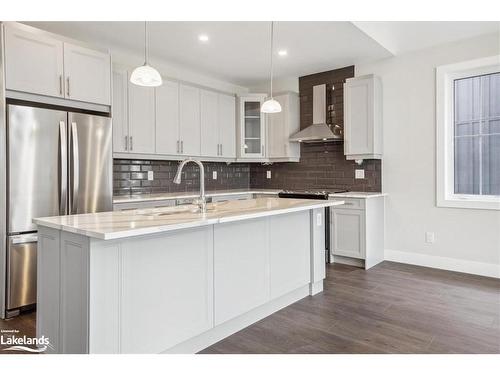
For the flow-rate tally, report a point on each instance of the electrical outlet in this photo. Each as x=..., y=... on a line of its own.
x=430, y=237
x=359, y=173
x=214, y=175
x=150, y=176
x=268, y=174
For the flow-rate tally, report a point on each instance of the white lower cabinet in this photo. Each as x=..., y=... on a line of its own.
x=357, y=231
x=185, y=310
x=241, y=268
x=286, y=253
x=348, y=230
x=251, y=273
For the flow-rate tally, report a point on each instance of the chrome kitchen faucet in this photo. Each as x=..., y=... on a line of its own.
x=201, y=202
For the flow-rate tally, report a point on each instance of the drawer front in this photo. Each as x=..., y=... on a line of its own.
x=350, y=203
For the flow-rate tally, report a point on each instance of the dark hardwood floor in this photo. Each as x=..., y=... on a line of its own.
x=391, y=308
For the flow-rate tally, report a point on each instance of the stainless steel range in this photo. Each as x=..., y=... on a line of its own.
x=58, y=163
x=315, y=194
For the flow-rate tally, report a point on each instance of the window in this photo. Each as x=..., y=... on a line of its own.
x=468, y=134
x=477, y=135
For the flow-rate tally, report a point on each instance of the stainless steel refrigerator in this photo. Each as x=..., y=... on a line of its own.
x=58, y=163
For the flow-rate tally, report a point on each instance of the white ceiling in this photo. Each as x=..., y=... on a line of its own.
x=401, y=37
x=238, y=52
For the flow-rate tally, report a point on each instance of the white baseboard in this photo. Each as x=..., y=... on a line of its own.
x=450, y=264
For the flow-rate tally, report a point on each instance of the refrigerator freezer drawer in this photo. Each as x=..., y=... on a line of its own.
x=21, y=271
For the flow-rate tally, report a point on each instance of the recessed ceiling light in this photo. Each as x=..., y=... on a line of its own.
x=282, y=52
x=203, y=38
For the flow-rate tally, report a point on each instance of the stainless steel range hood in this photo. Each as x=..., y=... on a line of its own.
x=319, y=131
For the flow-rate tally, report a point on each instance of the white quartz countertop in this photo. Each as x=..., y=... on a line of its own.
x=181, y=195
x=122, y=224
x=357, y=194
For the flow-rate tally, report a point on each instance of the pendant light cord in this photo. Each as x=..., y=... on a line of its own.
x=146, y=57
x=272, y=34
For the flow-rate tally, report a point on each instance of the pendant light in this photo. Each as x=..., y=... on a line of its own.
x=146, y=75
x=271, y=105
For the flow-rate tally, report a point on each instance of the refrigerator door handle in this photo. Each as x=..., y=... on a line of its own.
x=75, y=169
x=63, y=171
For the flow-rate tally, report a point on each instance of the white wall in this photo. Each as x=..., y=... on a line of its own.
x=467, y=240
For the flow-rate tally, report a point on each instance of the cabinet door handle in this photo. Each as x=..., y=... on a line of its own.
x=126, y=143
x=218, y=148
x=262, y=150
x=131, y=143
x=221, y=153
x=178, y=147
x=60, y=84
x=182, y=147
x=67, y=86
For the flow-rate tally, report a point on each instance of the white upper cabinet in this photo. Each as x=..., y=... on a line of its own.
x=119, y=112
x=40, y=63
x=141, y=116
x=265, y=137
x=363, y=118
x=210, y=145
x=252, y=127
x=189, y=115
x=167, y=118
x=87, y=74
x=33, y=62
x=227, y=126
x=281, y=126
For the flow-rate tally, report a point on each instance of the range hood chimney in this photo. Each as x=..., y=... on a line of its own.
x=319, y=131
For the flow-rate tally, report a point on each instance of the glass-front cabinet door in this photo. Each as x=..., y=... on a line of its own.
x=252, y=127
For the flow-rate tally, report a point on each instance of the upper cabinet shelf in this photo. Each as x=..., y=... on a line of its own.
x=363, y=118
x=40, y=63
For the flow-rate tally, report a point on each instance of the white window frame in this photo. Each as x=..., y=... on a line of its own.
x=445, y=169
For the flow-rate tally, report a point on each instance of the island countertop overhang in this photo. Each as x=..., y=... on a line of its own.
x=138, y=222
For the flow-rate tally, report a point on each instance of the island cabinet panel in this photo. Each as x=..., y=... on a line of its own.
x=241, y=267
x=74, y=293
x=289, y=252
x=167, y=290
x=47, y=303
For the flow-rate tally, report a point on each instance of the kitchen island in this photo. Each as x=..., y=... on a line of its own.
x=174, y=279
